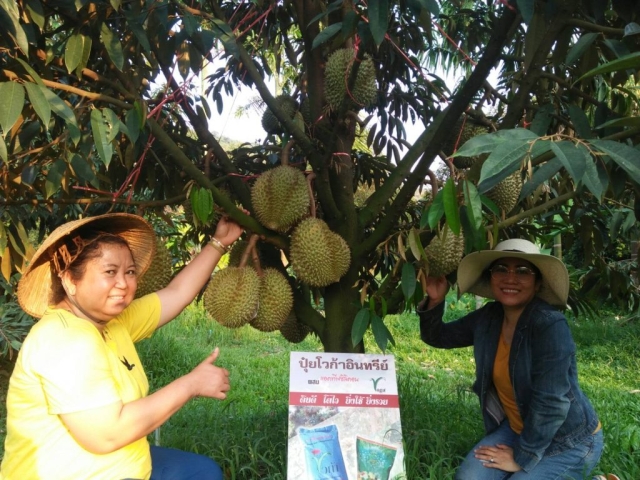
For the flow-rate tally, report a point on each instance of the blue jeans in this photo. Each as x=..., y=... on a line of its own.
x=173, y=464
x=575, y=463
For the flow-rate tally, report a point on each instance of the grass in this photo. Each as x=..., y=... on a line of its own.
x=247, y=433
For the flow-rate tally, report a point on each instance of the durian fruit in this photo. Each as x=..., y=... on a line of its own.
x=319, y=256
x=232, y=296
x=159, y=273
x=293, y=330
x=275, y=303
x=506, y=193
x=236, y=252
x=464, y=130
x=280, y=197
x=444, y=252
x=336, y=78
x=270, y=122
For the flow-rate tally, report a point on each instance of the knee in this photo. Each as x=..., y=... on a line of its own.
x=208, y=469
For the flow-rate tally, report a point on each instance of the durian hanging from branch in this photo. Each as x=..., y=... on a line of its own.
x=319, y=256
x=233, y=293
x=336, y=80
x=275, y=298
x=279, y=196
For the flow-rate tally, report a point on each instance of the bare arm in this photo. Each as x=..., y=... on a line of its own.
x=184, y=287
x=107, y=429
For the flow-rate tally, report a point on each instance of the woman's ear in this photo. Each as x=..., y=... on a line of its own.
x=68, y=284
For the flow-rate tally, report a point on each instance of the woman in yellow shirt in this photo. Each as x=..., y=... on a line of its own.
x=78, y=404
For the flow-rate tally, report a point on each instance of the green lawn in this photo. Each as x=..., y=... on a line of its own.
x=247, y=433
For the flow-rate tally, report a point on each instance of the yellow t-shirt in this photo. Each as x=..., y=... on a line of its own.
x=502, y=381
x=66, y=366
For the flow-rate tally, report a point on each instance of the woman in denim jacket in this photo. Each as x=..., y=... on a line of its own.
x=539, y=423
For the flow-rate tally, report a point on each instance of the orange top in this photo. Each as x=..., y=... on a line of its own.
x=502, y=381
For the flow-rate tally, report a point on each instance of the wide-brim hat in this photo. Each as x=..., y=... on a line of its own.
x=554, y=287
x=35, y=285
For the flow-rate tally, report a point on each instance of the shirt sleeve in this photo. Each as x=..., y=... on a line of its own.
x=142, y=316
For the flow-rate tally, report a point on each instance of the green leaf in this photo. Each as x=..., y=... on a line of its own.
x=581, y=46
x=415, y=245
x=487, y=142
x=36, y=12
x=100, y=127
x=430, y=6
x=11, y=103
x=541, y=175
x=73, y=51
x=112, y=44
x=590, y=178
x=82, y=169
x=526, y=8
x=623, y=155
x=59, y=107
x=580, y=122
x=571, y=158
x=474, y=204
x=31, y=71
x=3, y=151
x=621, y=122
x=133, y=125
x=13, y=28
x=408, y=280
x=135, y=23
x=360, y=325
x=436, y=210
x=39, y=103
x=326, y=34
x=54, y=177
x=378, y=20
x=113, y=123
x=631, y=61
x=542, y=119
x=86, y=53
x=504, y=160
x=333, y=6
x=381, y=333
x=222, y=31
x=451, y=211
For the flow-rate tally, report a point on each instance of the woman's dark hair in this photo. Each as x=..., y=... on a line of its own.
x=79, y=251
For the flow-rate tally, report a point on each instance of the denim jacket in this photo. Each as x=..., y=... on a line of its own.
x=542, y=365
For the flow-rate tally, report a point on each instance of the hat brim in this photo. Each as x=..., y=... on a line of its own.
x=554, y=288
x=35, y=285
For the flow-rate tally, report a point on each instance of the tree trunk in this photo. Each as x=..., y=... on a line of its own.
x=341, y=303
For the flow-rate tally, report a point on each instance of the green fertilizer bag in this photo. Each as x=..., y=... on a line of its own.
x=374, y=459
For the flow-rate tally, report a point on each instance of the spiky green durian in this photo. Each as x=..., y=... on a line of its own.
x=159, y=273
x=506, y=193
x=464, y=130
x=276, y=301
x=336, y=78
x=280, y=197
x=270, y=122
x=319, y=256
x=232, y=296
x=444, y=252
x=293, y=330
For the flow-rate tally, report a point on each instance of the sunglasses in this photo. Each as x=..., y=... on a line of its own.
x=501, y=272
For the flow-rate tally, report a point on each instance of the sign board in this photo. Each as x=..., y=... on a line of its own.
x=344, y=418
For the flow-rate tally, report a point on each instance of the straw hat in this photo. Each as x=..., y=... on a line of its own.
x=34, y=287
x=554, y=288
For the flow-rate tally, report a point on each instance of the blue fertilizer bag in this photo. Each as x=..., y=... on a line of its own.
x=323, y=453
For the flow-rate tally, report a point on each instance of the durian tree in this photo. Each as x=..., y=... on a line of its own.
x=99, y=111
